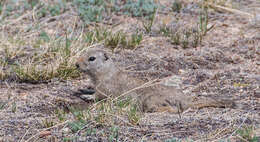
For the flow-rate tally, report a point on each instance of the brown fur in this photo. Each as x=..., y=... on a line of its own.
x=109, y=80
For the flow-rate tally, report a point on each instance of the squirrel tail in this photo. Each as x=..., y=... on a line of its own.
x=214, y=102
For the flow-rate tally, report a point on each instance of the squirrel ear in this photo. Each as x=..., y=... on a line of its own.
x=106, y=57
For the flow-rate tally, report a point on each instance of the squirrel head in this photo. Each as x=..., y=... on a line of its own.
x=95, y=62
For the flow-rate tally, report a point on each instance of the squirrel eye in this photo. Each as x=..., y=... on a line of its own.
x=92, y=58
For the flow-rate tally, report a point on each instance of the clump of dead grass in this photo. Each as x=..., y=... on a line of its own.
x=45, y=57
x=110, y=114
x=31, y=51
x=33, y=63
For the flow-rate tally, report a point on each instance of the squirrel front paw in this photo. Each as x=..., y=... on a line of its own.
x=86, y=93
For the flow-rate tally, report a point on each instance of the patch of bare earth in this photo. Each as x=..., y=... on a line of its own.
x=226, y=64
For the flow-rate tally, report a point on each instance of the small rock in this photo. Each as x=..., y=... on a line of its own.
x=236, y=59
x=174, y=80
x=88, y=97
x=65, y=130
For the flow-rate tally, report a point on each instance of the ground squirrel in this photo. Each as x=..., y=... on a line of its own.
x=109, y=80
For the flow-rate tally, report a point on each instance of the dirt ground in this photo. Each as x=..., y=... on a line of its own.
x=226, y=64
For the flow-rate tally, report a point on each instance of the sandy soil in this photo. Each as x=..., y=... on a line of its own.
x=226, y=64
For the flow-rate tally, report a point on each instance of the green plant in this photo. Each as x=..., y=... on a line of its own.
x=147, y=24
x=90, y=131
x=186, y=37
x=114, y=40
x=135, y=40
x=189, y=36
x=172, y=140
x=9, y=8
x=101, y=34
x=89, y=37
x=26, y=4
x=8, y=55
x=225, y=140
x=2, y=105
x=15, y=8
x=42, y=12
x=30, y=73
x=47, y=123
x=175, y=38
x=67, y=49
x=80, y=121
x=56, y=9
x=165, y=31
x=123, y=103
x=247, y=133
x=139, y=8
x=104, y=114
x=70, y=139
x=203, y=22
x=48, y=9
x=97, y=35
x=90, y=10
x=1, y=8
x=133, y=114
x=44, y=36
x=34, y=73
x=79, y=115
x=176, y=6
x=14, y=107
x=54, y=62
x=61, y=114
x=121, y=39
x=103, y=110
x=32, y=3
x=196, y=38
x=76, y=126
x=114, y=134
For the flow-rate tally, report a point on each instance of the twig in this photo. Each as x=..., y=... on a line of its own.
x=46, y=130
x=99, y=91
x=145, y=85
x=24, y=135
x=231, y=10
x=240, y=125
x=148, y=84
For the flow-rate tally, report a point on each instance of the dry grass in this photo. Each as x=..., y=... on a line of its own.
x=40, y=42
